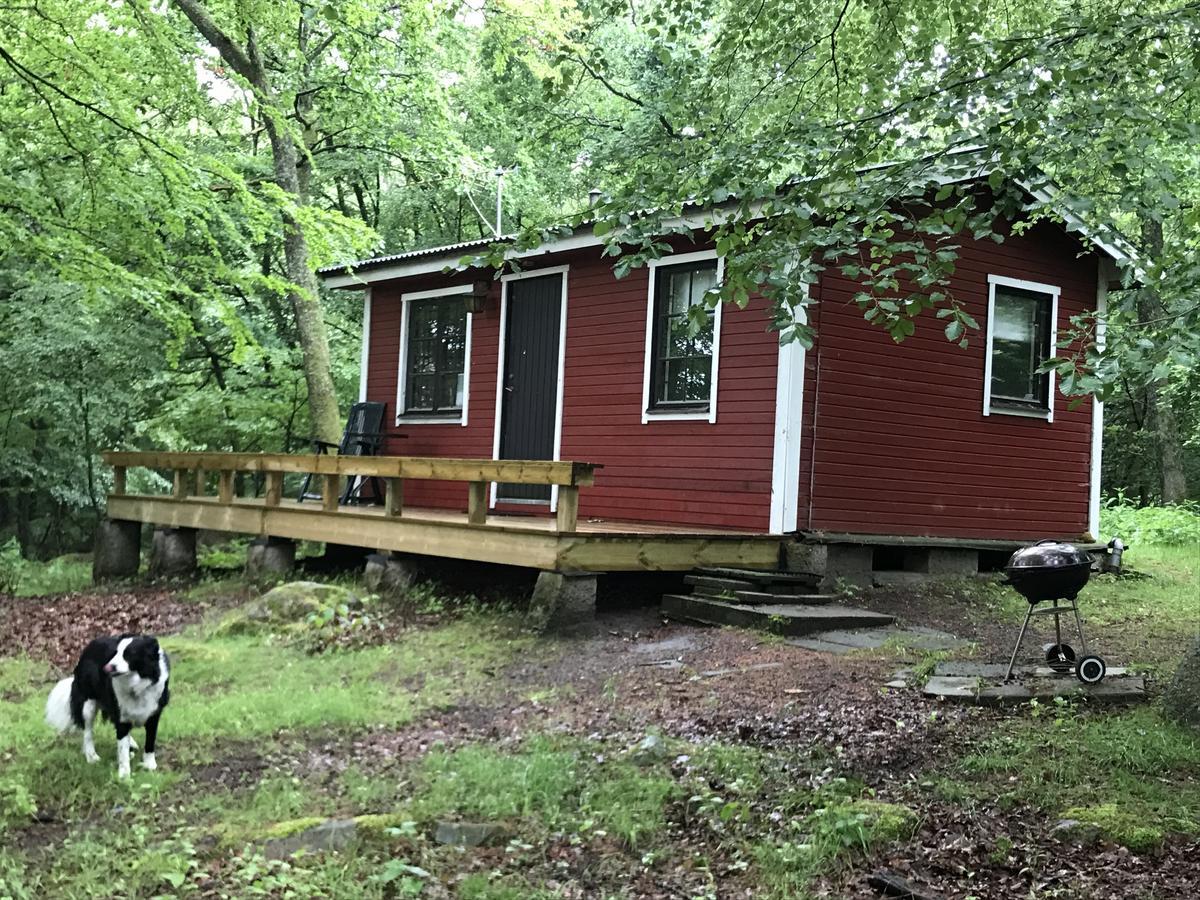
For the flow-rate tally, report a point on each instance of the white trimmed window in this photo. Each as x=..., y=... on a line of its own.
x=1020, y=338
x=435, y=357
x=683, y=335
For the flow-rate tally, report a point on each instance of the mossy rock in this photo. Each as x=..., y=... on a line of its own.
x=284, y=606
x=1126, y=827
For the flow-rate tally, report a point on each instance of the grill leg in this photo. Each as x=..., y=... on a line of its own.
x=1017, y=649
x=1079, y=626
x=1057, y=625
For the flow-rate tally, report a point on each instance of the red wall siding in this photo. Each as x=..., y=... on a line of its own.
x=677, y=472
x=898, y=440
x=893, y=436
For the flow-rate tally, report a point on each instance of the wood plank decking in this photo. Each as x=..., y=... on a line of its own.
x=560, y=543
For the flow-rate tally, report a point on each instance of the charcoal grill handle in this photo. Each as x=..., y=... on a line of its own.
x=1046, y=541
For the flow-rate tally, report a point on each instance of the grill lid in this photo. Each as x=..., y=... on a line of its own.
x=1049, y=554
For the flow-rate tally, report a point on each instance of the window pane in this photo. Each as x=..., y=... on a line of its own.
x=683, y=340
x=685, y=380
x=1020, y=338
x=420, y=395
x=437, y=343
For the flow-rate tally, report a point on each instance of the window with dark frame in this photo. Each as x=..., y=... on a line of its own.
x=682, y=348
x=435, y=357
x=1020, y=345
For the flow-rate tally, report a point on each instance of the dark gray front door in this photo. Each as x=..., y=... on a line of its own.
x=529, y=406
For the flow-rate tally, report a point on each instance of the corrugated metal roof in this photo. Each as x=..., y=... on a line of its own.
x=446, y=250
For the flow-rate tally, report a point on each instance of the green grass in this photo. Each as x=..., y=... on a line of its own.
x=557, y=785
x=241, y=689
x=34, y=578
x=830, y=835
x=1121, y=771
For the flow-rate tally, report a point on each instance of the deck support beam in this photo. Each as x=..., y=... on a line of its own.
x=562, y=600
x=118, y=550
x=173, y=553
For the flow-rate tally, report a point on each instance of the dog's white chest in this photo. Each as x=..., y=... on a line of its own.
x=137, y=699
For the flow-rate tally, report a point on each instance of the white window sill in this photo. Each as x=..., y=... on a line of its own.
x=1043, y=414
x=696, y=415
x=429, y=420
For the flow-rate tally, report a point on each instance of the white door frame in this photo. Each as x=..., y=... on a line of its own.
x=785, y=455
x=505, y=280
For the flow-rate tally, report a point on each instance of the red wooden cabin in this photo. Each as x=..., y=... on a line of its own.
x=727, y=429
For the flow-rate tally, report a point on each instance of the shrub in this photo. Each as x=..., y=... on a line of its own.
x=10, y=566
x=1136, y=525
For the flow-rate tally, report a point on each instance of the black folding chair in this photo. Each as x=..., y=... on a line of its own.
x=363, y=437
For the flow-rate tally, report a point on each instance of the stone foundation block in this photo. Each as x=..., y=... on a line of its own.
x=805, y=558
x=561, y=600
x=269, y=558
x=173, y=553
x=848, y=563
x=390, y=574
x=118, y=550
x=951, y=561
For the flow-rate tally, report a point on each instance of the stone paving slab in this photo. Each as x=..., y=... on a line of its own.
x=967, y=669
x=842, y=641
x=1126, y=689
x=780, y=618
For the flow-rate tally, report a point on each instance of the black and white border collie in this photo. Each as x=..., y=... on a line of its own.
x=125, y=679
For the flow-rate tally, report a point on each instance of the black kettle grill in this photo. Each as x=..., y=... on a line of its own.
x=1054, y=572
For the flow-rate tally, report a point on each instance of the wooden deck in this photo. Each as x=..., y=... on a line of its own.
x=562, y=542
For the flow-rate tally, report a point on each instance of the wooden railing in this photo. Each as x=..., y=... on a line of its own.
x=190, y=476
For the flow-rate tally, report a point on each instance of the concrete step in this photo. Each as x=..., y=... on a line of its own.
x=754, y=598
x=778, y=618
x=712, y=586
x=760, y=577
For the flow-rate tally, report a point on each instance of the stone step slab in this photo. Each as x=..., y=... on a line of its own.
x=779, y=618
x=1122, y=689
x=752, y=598
x=760, y=576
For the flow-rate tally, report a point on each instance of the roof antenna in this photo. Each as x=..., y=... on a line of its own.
x=500, y=173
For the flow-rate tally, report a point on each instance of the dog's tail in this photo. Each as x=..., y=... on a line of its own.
x=58, y=707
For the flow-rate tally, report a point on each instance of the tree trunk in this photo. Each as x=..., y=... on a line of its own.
x=305, y=299
x=1181, y=699
x=247, y=61
x=1160, y=417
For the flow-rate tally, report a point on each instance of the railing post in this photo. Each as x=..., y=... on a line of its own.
x=394, y=490
x=477, y=502
x=274, y=492
x=118, y=481
x=180, y=491
x=330, y=489
x=200, y=484
x=225, y=487
x=567, y=515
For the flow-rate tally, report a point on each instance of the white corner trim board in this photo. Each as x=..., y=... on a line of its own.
x=365, y=361
x=405, y=311
x=785, y=457
x=1098, y=406
x=1053, y=292
x=709, y=415
x=505, y=281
